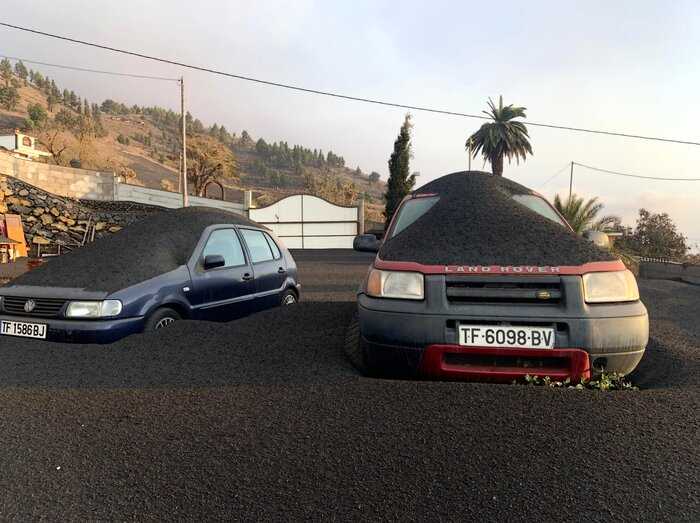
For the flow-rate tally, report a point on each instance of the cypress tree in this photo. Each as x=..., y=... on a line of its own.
x=400, y=182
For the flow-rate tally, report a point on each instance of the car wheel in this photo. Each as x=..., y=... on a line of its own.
x=355, y=350
x=162, y=318
x=289, y=297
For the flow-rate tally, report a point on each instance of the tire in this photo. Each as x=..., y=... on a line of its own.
x=356, y=352
x=161, y=318
x=288, y=297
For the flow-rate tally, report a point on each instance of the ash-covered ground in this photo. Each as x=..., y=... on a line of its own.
x=263, y=418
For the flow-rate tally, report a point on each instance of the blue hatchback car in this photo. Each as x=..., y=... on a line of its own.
x=193, y=263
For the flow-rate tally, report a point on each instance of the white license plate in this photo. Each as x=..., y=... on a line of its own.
x=509, y=337
x=23, y=329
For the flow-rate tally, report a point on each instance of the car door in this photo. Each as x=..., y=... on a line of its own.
x=269, y=266
x=226, y=292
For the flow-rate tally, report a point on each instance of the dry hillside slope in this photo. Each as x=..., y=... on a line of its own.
x=142, y=144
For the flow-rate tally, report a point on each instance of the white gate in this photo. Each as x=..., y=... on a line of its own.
x=303, y=221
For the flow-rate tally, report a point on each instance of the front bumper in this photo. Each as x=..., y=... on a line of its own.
x=83, y=331
x=419, y=343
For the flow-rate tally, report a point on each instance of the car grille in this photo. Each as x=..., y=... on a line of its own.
x=504, y=289
x=44, y=308
x=519, y=362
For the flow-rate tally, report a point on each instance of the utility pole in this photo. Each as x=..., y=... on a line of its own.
x=179, y=172
x=571, y=180
x=183, y=175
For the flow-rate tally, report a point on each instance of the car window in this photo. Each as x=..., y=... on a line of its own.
x=257, y=245
x=275, y=250
x=411, y=210
x=540, y=206
x=225, y=242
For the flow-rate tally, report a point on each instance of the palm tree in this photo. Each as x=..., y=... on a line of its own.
x=583, y=216
x=501, y=138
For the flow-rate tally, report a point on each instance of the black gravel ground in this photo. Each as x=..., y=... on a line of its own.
x=264, y=419
x=137, y=253
x=477, y=222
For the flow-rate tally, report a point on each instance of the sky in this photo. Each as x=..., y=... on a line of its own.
x=629, y=66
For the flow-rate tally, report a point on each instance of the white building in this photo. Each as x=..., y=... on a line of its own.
x=22, y=146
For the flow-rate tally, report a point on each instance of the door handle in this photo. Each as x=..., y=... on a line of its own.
x=247, y=277
x=281, y=270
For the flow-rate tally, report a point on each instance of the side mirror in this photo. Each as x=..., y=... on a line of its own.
x=366, y=243
x=599, y=238
x=212, y=261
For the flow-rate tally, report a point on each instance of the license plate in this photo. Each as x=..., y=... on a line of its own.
x=509, y=337
x=23, y=329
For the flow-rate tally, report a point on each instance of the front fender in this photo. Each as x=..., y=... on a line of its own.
x=144, y=297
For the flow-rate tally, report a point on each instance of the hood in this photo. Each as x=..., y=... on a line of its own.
x=477, y=222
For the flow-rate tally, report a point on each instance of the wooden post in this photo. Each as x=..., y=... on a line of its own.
x=185, y=194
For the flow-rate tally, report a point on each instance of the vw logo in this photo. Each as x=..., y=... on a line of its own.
x=29, y=305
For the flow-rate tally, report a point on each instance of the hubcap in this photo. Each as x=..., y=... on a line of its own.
x=289, y=299
x=164, y=322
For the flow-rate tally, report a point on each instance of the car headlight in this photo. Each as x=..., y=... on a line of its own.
x=606, y=287
x=395, y=284
x=93, y=309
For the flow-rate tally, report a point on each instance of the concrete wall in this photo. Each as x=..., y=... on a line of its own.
x=62, y=181
x=660, y=270
x=172, y=200
x=653, y=270
x=691, y=274
x=95, y=185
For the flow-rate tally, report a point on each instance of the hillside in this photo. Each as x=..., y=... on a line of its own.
x=142, y=145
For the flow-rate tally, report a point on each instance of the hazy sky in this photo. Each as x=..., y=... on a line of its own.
x=626, y=66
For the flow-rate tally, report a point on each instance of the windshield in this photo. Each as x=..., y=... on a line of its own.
x=411, y=210
x=540, y=206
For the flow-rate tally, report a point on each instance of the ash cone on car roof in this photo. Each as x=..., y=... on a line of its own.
x=158, y=244
x=476, y=221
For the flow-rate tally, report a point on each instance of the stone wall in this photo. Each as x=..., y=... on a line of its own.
x=63, y=181
x=61, y=220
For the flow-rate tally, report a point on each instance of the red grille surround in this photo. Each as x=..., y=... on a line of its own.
x=504, y=364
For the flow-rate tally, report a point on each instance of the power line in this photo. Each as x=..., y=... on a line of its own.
x=86, y=70
x=338, y=95
x=606, y=171
x=560, y=171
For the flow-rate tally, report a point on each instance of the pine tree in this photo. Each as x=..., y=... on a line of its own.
x=9, y=97
x=51, y=102
x=21, y=71
x=6, y=71
x=400, y=182
x=223, y=135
